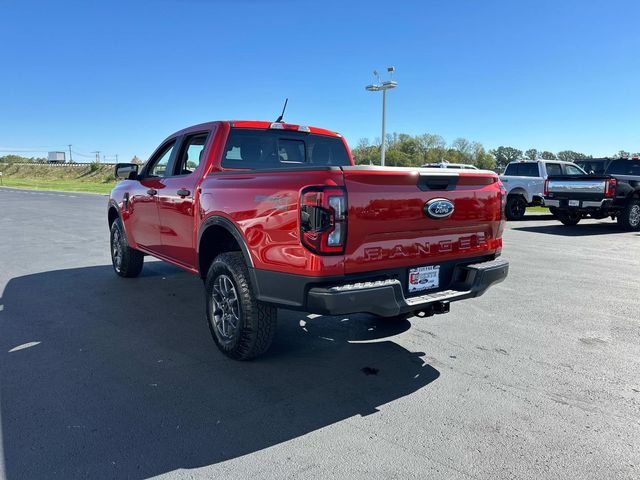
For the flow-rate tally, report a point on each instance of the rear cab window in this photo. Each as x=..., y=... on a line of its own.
x=553, y=169
x=572, y=170
x=512, y=170
x=594, y=166
x=624, y=167
x=259, y=149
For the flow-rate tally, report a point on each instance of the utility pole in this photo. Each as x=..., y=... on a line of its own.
x=70, y=157
x=384, y=86
x=116, y=158
x=97, y=152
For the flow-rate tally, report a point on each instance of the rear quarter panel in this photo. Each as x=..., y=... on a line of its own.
x=264, y=208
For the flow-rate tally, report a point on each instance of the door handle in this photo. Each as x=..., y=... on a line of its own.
x=152, y=191
x=183, y=192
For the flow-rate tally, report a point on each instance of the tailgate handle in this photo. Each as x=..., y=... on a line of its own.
x=437, y=182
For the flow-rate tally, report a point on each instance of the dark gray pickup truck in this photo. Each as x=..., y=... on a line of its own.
x=615, y=194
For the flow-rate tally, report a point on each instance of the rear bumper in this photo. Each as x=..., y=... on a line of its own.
x=605, y=202
x=386, y=297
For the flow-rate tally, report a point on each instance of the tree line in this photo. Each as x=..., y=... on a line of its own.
x=20, y=159
x=404, y=150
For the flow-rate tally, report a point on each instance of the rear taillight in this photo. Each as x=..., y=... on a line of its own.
x=546, y=187
x=610, y=187
x=502, y=195
x=323, y=220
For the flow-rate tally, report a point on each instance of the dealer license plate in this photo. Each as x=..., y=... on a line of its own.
x=574, y=203
x=424, y=278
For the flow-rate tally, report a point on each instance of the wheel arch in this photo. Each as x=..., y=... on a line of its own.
x=520, y=192
x=216, y=235
x=113, y=212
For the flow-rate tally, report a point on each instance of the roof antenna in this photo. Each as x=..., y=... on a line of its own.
x=286, y=100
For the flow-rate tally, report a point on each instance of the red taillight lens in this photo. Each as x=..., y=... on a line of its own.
x=610, y=187
x=323, y=220
x=546, y=187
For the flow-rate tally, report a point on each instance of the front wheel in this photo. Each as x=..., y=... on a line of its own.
x=126, y=261
x=569, y=218
x=241, y=326
x=516, y=207
x=629, y=218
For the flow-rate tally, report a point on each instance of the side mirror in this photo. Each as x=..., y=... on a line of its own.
x=127, y=171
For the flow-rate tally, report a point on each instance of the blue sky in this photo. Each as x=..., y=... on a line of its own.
x=120, y=76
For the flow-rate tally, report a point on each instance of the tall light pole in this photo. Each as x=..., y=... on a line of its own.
x=384, y=86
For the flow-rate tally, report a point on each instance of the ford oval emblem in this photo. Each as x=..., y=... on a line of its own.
x=439, y=208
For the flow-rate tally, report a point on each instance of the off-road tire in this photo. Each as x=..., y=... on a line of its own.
x=126, y=261
x=553, y=211
x=629, y=218
x=516, y=207
x=256, y=322
x=569, y=219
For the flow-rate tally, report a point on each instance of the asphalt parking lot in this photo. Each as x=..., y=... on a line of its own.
x=104, y=377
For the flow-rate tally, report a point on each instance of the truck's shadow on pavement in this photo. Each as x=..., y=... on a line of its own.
x=580, y=230
x=125, y=381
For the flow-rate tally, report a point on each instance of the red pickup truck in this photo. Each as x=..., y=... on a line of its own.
x=276, y=215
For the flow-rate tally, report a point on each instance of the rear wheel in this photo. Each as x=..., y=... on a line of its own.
x=569, y=218
x=629, y=218
x=553, y=211
x=241, y=326
x=126, y=261
x=516, y=207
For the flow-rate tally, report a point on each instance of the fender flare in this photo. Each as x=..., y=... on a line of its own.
x=113, y=204
x=520, y=191
x=219, y=221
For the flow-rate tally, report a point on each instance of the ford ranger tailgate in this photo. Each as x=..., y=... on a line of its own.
x=390, y=224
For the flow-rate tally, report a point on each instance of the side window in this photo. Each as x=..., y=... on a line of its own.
x=512, y=169
x=554, y=169
x=191, y=154
x=572, y=170
x=158, y=166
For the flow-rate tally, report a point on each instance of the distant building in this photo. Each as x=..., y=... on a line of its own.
x=56, y=157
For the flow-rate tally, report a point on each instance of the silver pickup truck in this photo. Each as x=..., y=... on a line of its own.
x=524, y=182
x=615, y=194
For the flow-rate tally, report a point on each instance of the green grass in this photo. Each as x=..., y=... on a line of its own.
x=537, y=210
x=66, y=185
x=74, y=178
